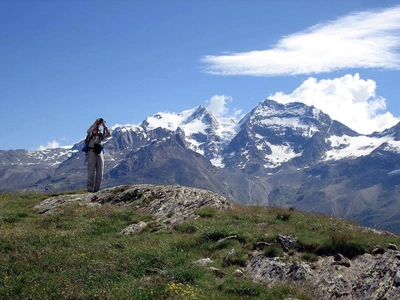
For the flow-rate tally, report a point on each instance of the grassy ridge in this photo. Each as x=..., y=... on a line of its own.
x=78, y=253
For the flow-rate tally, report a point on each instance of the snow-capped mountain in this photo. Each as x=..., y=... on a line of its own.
x=203, y=132
x=277, y=154
x=274, y=132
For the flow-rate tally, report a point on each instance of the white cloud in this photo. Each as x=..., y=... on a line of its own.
x=218, y=105
x=349, y=100
x=361, y=40
x=49, y=145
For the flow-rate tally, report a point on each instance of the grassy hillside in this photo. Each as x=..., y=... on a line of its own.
x=79, y=253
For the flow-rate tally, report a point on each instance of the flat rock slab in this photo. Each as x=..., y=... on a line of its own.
x=174, y=202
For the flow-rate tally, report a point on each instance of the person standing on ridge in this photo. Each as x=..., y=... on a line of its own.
x=95, y=159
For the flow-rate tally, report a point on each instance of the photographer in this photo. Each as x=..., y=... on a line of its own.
x=95, y=157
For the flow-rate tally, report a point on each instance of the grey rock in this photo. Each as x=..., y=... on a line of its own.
x=227, y=238
x=51, y=205
x=262, y=245
x=391, y=246
x=287, y=241
x=169, y=204
x=232, y=252
x=339, y=259
x=134, y=228
x=334, y=277
x=238, y=273
x=202, y=262
x=272, y=270
x=217, y=272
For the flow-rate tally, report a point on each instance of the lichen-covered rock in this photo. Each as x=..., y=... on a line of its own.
x=334, y=277
x=202, y=262
x=134, y=228
x=287, y=241
x=51, y=205
x=273, y=271
x=170, y=204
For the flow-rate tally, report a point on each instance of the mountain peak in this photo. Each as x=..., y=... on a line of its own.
x=272, y=108
x=172, y=121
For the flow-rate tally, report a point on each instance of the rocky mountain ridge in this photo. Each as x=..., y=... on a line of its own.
x=290, y=155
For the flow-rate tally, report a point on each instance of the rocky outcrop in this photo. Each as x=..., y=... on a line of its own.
x=334, y=277
x=169, y=204
x=51, y=205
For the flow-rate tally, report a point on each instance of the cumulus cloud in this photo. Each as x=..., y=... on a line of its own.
x=349, y=100
x=218, y=105
x=368, y=39
x=49, y=145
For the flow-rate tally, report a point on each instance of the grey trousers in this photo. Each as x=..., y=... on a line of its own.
x=95, y=163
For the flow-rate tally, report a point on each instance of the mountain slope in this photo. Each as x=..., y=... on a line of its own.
x=167, y=162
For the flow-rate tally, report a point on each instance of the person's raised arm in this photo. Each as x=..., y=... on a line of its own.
x=106, y=132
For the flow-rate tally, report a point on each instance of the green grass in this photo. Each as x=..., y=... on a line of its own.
x=79, y=253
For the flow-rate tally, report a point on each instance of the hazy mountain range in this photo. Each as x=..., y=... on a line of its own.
x=290, y=155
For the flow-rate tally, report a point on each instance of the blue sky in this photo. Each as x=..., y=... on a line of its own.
x=65, y=63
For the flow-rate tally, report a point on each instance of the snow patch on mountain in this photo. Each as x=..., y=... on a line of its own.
x=294, y=122
x=393, y=146
x=348, y=147
x=228, y=128
x=394, y=172
x=280, y=154
x=127, y=128
x=217, y=161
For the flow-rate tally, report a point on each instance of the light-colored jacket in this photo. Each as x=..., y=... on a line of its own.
x=97, y=138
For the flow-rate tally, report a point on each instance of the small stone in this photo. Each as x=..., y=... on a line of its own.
x=287, y=241
x=391, y=246
x=202, y=262
x=232, y=252
x=396, y=279
x=134, y=228
x=342, y=260
x=238, y=273
x=377, y=250
x=217, y=271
